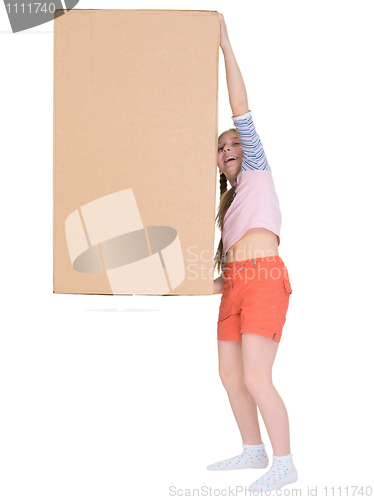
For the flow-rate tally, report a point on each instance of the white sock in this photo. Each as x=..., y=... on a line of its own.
x=282, y=472
x=254, y=456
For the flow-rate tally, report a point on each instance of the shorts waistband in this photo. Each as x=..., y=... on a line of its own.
x=269, y=261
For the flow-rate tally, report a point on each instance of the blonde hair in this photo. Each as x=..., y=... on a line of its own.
x=224, y=204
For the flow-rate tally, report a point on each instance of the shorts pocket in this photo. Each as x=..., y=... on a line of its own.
x=287, y=286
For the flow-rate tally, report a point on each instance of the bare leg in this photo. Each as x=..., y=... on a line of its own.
x=242, y=403
x=258, y=357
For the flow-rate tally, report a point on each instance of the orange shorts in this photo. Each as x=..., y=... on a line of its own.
x=255, y=298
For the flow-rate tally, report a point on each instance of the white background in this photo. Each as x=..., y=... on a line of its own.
x=108, y=397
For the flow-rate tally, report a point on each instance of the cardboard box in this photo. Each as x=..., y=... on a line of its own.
x=135, y=156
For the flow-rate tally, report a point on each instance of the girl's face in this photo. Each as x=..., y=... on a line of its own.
x=229, y=146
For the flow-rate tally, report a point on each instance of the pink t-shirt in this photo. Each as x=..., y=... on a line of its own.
x=255, y=202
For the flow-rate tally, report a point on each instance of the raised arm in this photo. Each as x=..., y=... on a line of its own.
x=254, y=157
x=235, y=83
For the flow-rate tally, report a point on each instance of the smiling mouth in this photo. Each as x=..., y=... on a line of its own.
x=231, y=159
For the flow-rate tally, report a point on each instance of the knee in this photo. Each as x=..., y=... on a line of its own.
x=230, y=379
x=257, y=382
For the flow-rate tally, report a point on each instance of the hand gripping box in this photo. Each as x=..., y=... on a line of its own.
x=135, y=156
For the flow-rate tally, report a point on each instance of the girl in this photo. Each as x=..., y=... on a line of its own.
x=255, y=289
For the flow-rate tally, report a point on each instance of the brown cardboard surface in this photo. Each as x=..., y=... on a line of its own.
x=135, y=157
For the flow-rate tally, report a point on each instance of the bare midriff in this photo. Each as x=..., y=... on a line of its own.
x=256, y=242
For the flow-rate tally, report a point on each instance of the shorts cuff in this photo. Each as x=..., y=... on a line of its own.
x=271, y=334
x=229, y=336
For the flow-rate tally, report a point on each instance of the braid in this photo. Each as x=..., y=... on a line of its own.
x=222, y=183
x=225, y=202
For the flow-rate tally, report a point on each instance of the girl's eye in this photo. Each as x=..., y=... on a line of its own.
x=235, y=144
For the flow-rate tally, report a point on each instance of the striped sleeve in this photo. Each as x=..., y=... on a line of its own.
x=254, y=157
